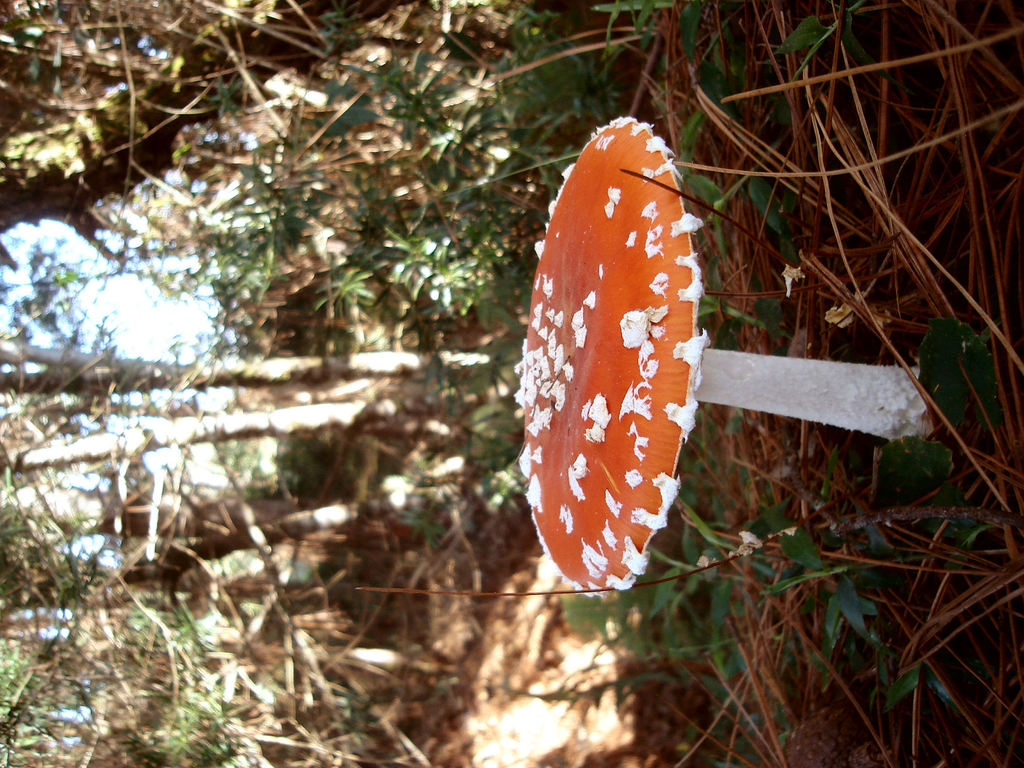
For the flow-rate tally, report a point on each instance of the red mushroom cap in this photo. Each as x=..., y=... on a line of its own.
x=611, y=359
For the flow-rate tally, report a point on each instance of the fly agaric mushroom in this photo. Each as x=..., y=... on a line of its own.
x=611, y=370
x=610, y=359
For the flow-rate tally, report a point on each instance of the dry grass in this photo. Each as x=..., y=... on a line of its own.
x=904, y=182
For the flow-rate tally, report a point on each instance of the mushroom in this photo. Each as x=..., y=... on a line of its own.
x=614, y=363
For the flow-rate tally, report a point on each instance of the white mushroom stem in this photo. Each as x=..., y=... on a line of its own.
x=878, y=399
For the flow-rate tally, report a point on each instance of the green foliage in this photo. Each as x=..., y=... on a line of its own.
x=258, y=223
x=336, y=465
x=641, y=11
x=854, y=607
x=43, y=587
x=911, y=468
x=356, y=110
x=809, y=33
x=51, y=307
x=339, y=27
x=902, y=687
x=800, y=548
x=411, y=231
x=957, y=370
x=774, y=205
x=436, y=241
x=25, y=697
x=251, y=466
x=37, y=569
x=183, y=717
x=689, y=24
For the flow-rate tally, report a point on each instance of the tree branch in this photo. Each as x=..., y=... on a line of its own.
x=83, y=373
x=159, y=433
x=912, y=514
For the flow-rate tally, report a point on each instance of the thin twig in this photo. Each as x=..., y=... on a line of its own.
x=904, y=514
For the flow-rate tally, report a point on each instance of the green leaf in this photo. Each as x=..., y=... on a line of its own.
x=760, y=192
x=769, y=312
x=181, y=151
x=808, y=32
x=716, y=86
x=789, y=252
x=585, y=616
x=832, y=625
x=948, y=495
x=850, y=605
x=904, y=685
x=721, y=602
x=783, y=584
x=772, y=519
x=936, y=686
x=689, y=23
x=956, y=367
x=663, y=593
x=852, y=44
x=910, y=468
x=800, y=548
x=688, y=137
x=878, y=545
x=357, y=113
x=704, y=188
x=705, y=530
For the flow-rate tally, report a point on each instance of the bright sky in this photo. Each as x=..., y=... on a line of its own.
x=144, y=324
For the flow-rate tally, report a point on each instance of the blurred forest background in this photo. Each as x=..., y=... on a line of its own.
x=352, y=190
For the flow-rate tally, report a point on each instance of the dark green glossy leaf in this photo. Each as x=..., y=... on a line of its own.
x=800, y=547
x=689, y=23
x=808, y=32
x=957, y=368
x=715, y=84
x=910, y=468
x=832, y=625
x=850, y=605
x=877, y=545
x=902, y=687
x=773, y=518
x=769, y=312
x=937, y=687
x=703, y=188
x=948, y=495
x=791, y=581
x=852, y=44
x=761, y=195
x=789, y=251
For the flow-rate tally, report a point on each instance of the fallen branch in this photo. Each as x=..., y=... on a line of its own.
x=912, y=514
x=161, y=433
x=103, y=373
